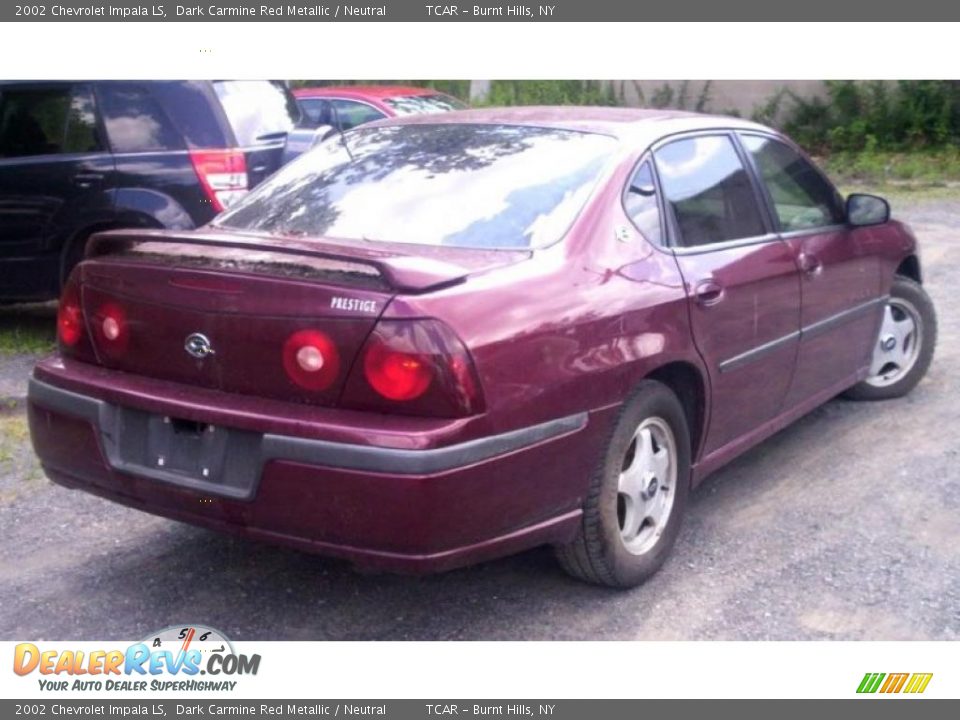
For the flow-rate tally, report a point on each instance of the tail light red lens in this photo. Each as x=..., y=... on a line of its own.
x=223, y=175
x=71, y=323
x=415, y=367
x=311, y=360
x=70, y=316
x=396, y=375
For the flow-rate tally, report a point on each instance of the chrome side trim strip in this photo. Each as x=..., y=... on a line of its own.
x=745, y=358
x=822, y=326
x=808, y=331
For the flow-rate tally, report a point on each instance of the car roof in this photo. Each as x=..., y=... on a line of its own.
x=378, y=92
x=620, y=122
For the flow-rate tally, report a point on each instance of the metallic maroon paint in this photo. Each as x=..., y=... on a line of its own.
x=561, y=331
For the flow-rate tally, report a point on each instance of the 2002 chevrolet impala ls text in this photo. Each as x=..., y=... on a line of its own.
x=441, y=339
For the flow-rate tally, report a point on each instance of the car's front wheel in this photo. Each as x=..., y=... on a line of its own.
x=904, y=346
x=633, y=508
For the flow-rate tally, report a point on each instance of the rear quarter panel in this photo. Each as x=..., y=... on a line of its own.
x=574, y=328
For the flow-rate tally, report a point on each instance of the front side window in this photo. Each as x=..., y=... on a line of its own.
x=460, y=185
x=641, y=203
x=349, y=114
x=316, y=111
x=134, y=120
x=708, y=191
x=47, y=121
x=801, y=197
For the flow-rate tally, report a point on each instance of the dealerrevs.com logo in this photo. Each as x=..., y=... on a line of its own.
x=185, y=658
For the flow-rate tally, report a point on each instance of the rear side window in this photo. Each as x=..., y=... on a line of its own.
x=47, y=121
x=641, y=203
x=350, y=113
x=259, y=111
x=801, y=197
x=708, y=191
x=134, y=120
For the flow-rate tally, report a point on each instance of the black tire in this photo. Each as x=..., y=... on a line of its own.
x=598, y=554
x=912, y=293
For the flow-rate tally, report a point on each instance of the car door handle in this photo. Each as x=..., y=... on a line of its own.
x=708, y=292
x=810, y=264
x=86, y=180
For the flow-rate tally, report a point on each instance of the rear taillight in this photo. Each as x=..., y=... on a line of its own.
x=396, y=375
x=71, y=324
x=70, y=316
x=311, y=360
x=223, y=174
x=416, y=367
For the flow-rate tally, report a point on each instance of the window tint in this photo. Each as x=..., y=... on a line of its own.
x=81, y=134
x=350, y=113
x=33, y=121
x=316, y=110
x=134, y=120
x=706, y=187
x=641, y=203
x=460, y=185
x=423, y=104
x=258, y=110
x=801, y=197
x=194, y=114
x=44, y=121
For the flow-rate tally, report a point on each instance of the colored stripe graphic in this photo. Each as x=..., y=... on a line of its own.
x=895, y=682
x=870, y=682
x=918, y=683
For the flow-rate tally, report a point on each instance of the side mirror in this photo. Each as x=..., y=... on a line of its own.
x=863, y=210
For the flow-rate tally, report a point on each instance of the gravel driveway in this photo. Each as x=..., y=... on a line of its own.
x=845, y=525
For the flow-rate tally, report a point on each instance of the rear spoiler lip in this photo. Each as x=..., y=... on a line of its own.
x=403, y=272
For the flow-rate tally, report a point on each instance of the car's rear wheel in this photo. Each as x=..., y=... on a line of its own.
x=636, y=500
x=904, y=347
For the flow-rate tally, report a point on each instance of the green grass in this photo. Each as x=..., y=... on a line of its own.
x=919, y=169
x=27, y=329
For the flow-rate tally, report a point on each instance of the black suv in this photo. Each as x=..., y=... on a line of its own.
x=79, y=157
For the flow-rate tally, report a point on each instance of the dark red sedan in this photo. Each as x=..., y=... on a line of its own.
x=346, y=106
x=442, y=339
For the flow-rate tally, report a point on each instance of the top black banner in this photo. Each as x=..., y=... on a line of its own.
x=460, y=12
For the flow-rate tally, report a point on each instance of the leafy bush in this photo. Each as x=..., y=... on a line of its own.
x=551, y=92
x=875, y=116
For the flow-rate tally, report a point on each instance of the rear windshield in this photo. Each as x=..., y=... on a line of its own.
x=259, y=111
x=457, y=185
x=423, y=104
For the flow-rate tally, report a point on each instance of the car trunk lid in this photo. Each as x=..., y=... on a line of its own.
x=149, y=295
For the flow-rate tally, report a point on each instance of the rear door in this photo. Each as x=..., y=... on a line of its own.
x=741, y=279
x=154, y=168
x=55, y=175
x=840, y=276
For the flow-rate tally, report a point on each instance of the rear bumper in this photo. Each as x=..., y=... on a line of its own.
x=404, y=510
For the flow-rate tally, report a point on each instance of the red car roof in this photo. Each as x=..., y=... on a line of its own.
x=619, y=122
x=364, y=92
